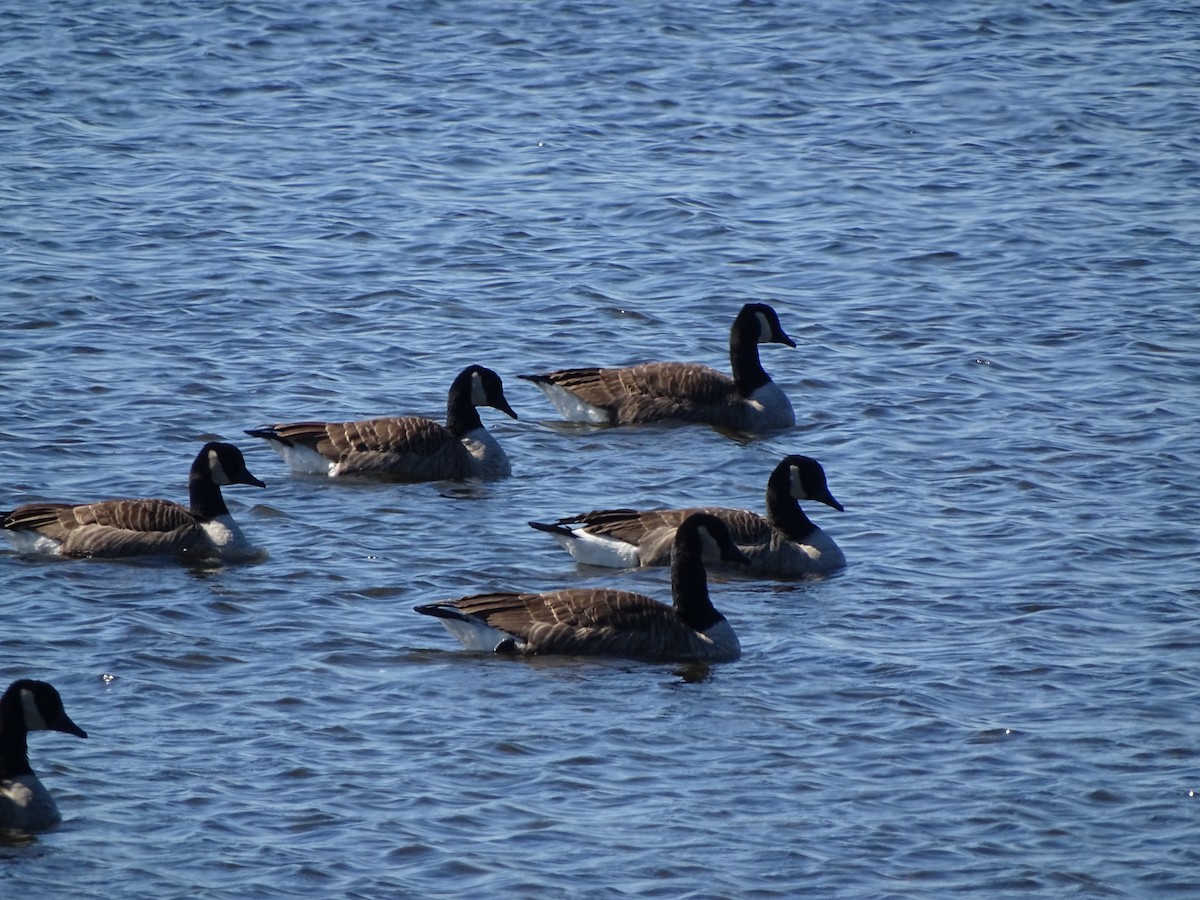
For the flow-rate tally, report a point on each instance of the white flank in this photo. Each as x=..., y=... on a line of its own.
x=475, y=635
x=571, y=407
x=304, y=461
x=32, y=543
x=600, y=551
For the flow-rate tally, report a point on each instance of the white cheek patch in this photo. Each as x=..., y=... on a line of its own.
x=764, y=328
x=217, y=470
x=479, y=395
x=708, y=544
x=798, y=485
x=33, y=715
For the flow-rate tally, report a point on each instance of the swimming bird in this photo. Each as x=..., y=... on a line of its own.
x=784, y=543
x=406, y=448
x=25, y=804
x=144, y=527
x=686, y=392
x=605, y=621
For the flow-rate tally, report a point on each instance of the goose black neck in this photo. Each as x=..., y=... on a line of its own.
x=204, y=493
x=748, y=373
x=689, y=583
x=784, y=512
x=461, y=415
x=14, y=750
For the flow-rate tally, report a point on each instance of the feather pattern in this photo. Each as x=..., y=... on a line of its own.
x=684, y=392
x=25, y=804
x=144, y=527
x=783, y=543
x=608, y=622
x=404, y=448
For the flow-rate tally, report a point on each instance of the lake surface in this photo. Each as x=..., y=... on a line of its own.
x=978, y=221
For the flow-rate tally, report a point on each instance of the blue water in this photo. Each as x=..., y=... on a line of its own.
x=978, y=221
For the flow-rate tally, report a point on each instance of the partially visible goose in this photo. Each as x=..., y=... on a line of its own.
x=407, y=448
x=604, y=621
x=150, y=527
x=687, y=392
x=25, y=804
x=785, y=543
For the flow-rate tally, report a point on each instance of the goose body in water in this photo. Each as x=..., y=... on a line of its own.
x=144, y=527
x=605, y=621
x=685, y=392
x=783, y=543
x=403, y=448
x=25, y=804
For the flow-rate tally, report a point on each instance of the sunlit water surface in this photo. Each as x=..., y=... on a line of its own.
x=978, y=221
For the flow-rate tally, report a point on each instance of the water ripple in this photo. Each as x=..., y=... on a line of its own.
x=979, y=229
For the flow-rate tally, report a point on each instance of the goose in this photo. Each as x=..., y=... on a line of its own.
x=144, y=527
x=407, y=448
x=605, y=621
x=687, y=392
x=784, y=543
x=25, y=804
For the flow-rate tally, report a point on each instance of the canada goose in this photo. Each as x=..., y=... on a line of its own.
x=408, y=448
x=688, y=392
x=151, y=527
x=605, y=621
x=25, y=804
x=785, y=543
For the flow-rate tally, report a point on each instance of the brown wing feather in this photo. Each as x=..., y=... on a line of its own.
x=678, y=381
x=56, y=519
x=46, y=518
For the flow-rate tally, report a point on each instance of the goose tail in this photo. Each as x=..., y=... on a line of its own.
x=553, y=528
